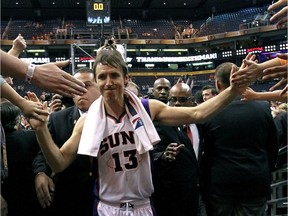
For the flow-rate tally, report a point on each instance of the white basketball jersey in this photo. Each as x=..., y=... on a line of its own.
x=124, y=175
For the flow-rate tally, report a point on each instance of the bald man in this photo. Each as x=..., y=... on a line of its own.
x=161, y=89
x=176, y=162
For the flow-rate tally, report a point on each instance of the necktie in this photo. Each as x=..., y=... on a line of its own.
x=189, y=133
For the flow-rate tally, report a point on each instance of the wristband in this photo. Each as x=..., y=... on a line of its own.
x=30, y=73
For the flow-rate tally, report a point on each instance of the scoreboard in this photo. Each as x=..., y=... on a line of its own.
x=98, y=12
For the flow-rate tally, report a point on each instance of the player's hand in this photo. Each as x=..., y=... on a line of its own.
x=32, y=108
x=41, y=119
x=248, y=73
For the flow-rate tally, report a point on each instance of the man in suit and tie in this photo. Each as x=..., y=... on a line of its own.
x=176, y=162
x=71, y=191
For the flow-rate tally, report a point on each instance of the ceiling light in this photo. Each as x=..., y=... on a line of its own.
x=202, y=63
x=35, y=51
x=175, y=50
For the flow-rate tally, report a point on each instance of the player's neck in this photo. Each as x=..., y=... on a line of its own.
x=115, y=108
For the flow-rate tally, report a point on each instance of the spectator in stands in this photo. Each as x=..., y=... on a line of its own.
x=124, y=164
x=161, y=89
x=208, y=92
x=72, y=188
x=281, y=15
x=237, y=159
x=46, y=76
x=189, y=31
x=38, y=26
x=20, y=149
x=177, y=178
x=50, y=35
x=177, y=30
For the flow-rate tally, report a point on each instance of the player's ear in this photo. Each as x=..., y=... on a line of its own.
x=126, y=79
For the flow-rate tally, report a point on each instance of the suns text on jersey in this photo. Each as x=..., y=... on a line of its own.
x=116, y=139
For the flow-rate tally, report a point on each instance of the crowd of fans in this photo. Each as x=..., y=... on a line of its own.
x=102, y=154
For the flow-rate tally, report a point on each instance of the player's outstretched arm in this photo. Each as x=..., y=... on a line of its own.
x=187, y=115
x=58, y=159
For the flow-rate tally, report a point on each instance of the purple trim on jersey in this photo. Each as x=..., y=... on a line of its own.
x=96, y=197
x=145, y=103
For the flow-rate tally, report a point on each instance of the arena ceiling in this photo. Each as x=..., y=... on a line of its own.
x=137, y=9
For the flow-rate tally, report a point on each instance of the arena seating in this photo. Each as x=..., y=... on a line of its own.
x=142, y=29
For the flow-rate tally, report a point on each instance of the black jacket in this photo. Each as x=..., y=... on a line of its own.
x=176, y=183
x=18, y=188
x=240, y=150
x=74, y=186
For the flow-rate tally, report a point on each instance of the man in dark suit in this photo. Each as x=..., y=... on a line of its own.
x=176, y=162
x=71, y=191
x=240, y=149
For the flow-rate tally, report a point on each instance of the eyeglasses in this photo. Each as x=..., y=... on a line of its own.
x=179, y=99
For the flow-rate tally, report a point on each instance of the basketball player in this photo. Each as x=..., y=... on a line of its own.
x=120, y=135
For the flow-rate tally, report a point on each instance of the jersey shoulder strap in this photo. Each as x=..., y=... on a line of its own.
x=145, y=102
